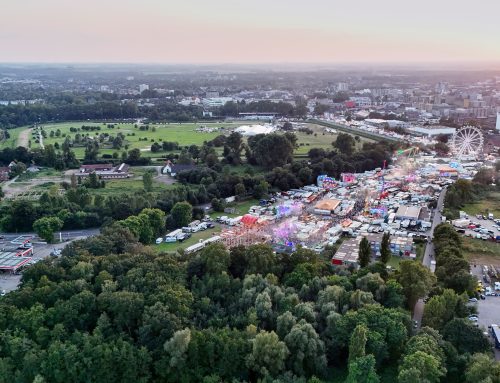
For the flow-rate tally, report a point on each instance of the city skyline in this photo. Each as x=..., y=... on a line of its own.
x=225, y=31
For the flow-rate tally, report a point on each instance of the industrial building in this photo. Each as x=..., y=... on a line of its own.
x=12, y=260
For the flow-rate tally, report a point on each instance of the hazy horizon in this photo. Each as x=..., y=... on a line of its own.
x=320, y=32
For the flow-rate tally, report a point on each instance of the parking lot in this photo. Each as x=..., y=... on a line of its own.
x=487, y=224
x=488, y=310
x=9, y=281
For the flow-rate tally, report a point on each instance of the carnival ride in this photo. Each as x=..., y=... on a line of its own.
x=467, y=142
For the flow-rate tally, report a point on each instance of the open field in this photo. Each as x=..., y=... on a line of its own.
x=487, y=205
x=482, y=252
x=29, y=184
x=127, y=186
x=13, y=140
x=182, y=133
x=195, y=238
x=319, y=139
x=241, y=208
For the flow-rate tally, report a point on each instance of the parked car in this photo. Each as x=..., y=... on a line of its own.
x=473, y=300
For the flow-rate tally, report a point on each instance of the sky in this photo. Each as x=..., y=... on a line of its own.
x=250, y=31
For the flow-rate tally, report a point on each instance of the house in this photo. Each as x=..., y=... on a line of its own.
x=105, y=171
x=172, y=169
x=4, y=173
x=95, y=168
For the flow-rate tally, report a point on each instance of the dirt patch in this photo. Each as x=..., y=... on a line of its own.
x=24, y=137
x=484, y=260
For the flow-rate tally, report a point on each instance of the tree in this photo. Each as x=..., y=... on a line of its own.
x=240, y=190
x=482, y=369
x=307, y=350
x=420, y=367
x=416, y=279
x=344, y=143
x=176, y=349
x=46, y=227
x=268, y=354
x=362, y=370
x=261, y=189
x=365, y=252
x=147, y=180
x=441, y=309
x=465, y=337
x=385, y=250
x=234, y=142
x=182, y=214
x=357, y=343
x=216, y=259
x=270, y=150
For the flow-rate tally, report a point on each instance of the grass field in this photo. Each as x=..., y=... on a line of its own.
x=184, y=134
x=195, y=238
x=11, y=142
x=319, y=139
x=487, y=205
x=480, y=251
x=241, y=208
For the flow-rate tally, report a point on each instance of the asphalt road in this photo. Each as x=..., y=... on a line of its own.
x=418, y=311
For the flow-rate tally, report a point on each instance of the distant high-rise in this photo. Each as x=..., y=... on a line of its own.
x=143, y=87
x=498, y=121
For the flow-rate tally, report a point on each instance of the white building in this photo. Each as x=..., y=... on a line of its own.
x=430, y=131
x=215, y=102
x=143, y=87
x=498, y=121
x=361, y=101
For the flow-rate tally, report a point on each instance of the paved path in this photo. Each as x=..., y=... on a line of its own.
x=418, y=311
x=24, y=138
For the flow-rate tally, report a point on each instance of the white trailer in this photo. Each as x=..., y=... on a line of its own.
x=194, y=248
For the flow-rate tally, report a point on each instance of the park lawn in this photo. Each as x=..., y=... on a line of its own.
x=127, y=186
x=11, y=142
x=394, y=262
x=182, y=133
x=491, y=204
x=241, y=208
x=195, y=238
x=320, y=139
x=45, y=172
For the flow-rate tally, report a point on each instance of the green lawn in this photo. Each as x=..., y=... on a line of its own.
x=195, y=238
x=319, y=139
x=47, y=172
x=184, y=134
x=394, y=262
x=127, y=186
x=241, y=208
x=487, y=205
x=11, y=142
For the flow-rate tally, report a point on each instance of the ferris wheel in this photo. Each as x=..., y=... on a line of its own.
x=467, y=142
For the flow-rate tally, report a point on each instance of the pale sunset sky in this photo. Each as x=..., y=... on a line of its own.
x=249, y=31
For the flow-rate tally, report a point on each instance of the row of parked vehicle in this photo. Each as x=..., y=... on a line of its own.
x=180, y=235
